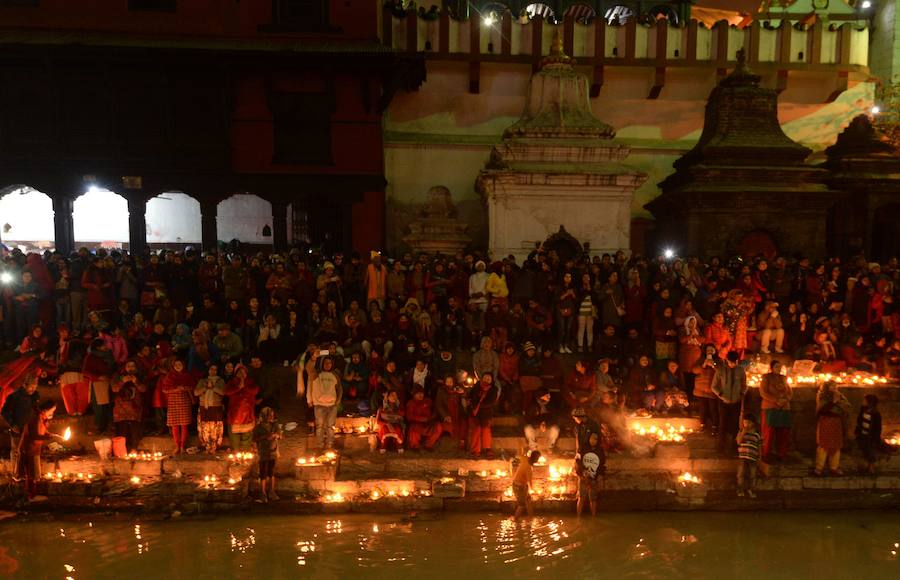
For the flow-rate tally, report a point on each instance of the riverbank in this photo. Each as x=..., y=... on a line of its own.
x=358, y=481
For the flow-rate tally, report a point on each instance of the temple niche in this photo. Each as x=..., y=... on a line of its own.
x=744, y=181
x=437, y=228
x=558, y=166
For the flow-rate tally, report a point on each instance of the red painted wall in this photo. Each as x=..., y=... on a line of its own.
x=355, y=132
x=368, y=224
x=356, y=19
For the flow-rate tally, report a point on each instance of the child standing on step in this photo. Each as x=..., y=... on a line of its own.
x=748, y=442
x=266, y=435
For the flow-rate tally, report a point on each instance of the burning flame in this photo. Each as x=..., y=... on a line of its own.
x=668, y=433
x=135, y=479
x=67, y=434
x=686, y=478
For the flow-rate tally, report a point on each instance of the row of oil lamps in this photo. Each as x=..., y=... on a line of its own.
x=666, y=434
x=326, y=458
x=376, y=494
x=856, y=378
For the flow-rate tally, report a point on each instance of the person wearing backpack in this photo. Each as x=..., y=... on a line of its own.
x=324, y=396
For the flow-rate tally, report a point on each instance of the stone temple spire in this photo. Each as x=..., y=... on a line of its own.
x=741, y=125
x=558, y=102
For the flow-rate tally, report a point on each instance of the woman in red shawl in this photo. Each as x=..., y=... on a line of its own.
x=178, y=385
x=31, y=349
x=508, y=375
x=241, y=392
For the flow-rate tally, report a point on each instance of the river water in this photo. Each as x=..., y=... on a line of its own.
x=770, y=545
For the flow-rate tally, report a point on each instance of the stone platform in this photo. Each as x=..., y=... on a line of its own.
x=445, y=481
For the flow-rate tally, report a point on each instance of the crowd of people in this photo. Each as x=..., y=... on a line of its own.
x=435, y=345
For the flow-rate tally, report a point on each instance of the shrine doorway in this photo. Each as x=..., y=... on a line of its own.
x=756, y=243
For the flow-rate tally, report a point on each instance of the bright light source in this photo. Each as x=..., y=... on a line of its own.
x=875, y=110
x=490, y=19
x=669, y=253
x=93, y=189
x=6, y=278
x=866, y=4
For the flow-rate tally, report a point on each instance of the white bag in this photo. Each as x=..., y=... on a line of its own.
x=104, y=447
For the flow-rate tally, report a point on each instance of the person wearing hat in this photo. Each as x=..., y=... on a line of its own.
x=228, y=343
x=541, y=417
x=376, y=280
x=770, y=326
x=329, y=282
x=478, y=286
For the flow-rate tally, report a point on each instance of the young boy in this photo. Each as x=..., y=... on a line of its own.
x=522, y=483
x=266, y=435
x=749, y=442
x=868, y=432
x=590, y=468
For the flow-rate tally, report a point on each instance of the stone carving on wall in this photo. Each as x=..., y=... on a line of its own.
x=437, y=228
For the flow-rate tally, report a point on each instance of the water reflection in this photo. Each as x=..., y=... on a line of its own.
x=463, y=547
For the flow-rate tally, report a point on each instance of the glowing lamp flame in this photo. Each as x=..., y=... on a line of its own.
x=67, y=434
x=688, y=478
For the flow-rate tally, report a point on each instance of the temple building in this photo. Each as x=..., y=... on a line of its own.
x=264, y=118
x=327, y=124
x=745, y=188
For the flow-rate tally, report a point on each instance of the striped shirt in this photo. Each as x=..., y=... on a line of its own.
x=748, y=447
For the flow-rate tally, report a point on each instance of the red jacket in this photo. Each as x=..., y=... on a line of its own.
x=95, y=367
x=241, y=402
x=419, y=411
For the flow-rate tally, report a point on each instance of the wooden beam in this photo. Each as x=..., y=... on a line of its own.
x=843, y=45
x=412, y=31
x=444, y=33
x=843, y=83
x=658, y=83
x=784, y=38
x=721, y=30
x=506, y=33
x=661, y=58
x=815, y=44
x=537, y=45
x=474, y=77
x=599, y=56
x=569, y=34
x=630, y=40
x=387, y=26
x=691, y=55
x=753, y=43
x=781, y=80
